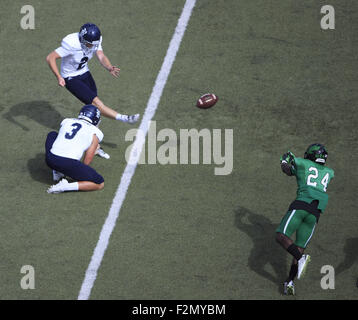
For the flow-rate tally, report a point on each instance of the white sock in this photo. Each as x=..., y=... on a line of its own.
x=121, y=117
x=73, y=186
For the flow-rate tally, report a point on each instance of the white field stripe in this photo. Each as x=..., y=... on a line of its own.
x=128, y=173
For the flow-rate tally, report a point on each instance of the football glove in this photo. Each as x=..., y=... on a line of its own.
x=287, y=157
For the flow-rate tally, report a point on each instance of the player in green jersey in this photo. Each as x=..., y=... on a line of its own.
x=302, y=216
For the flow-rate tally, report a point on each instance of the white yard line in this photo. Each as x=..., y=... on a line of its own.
x=107, y=229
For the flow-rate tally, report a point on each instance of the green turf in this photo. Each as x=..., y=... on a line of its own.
x=182, y=233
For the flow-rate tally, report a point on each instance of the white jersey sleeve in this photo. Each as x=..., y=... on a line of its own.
x=100, y=45
x=74, y=138
x=66, y=48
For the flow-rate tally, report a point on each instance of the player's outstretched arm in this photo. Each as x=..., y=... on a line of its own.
x=91, y=151
x=107, y=64
x=51, y=60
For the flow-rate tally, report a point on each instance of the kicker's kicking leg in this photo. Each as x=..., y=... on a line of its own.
x=112, y=114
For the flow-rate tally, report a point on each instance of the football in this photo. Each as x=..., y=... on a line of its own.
x=207, y=101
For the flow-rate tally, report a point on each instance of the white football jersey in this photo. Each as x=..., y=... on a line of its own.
x=74, y=59
x=74, y=138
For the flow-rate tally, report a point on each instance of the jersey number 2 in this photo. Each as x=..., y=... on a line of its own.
x=71, y=135
x=314, y=176
x=83, y=62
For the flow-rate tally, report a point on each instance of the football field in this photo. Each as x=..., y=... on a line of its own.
x=183, y=231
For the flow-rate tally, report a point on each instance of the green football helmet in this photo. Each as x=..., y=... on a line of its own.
x=316, y=152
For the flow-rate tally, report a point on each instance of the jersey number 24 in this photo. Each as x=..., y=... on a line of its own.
x=314, y=175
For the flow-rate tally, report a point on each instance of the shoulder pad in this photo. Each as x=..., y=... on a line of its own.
x=71, y=42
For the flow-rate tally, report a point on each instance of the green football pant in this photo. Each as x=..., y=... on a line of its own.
x=301, y=222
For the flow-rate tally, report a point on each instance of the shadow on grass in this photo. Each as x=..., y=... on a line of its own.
x=40, y=111
x=265, y=250
x=39, y=170
x=351, y=255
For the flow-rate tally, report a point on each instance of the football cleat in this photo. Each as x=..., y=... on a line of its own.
x=302, y=265
x=132, y=119
x=102, y=154
x=59, y=187
x=57, y=176
x=289, y=288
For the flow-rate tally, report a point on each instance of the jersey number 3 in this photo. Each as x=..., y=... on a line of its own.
x=314, y=176
x=71, y=135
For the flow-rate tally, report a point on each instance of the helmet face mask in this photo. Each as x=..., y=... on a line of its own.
x=91, y=114
x=89, y=37
x=317, y=153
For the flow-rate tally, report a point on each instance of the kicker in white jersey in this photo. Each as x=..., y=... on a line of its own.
x=76, y=50
x=74, y=57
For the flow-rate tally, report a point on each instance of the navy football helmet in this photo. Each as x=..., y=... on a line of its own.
x=89, y=35
x=91, y=114
x=316, y=152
